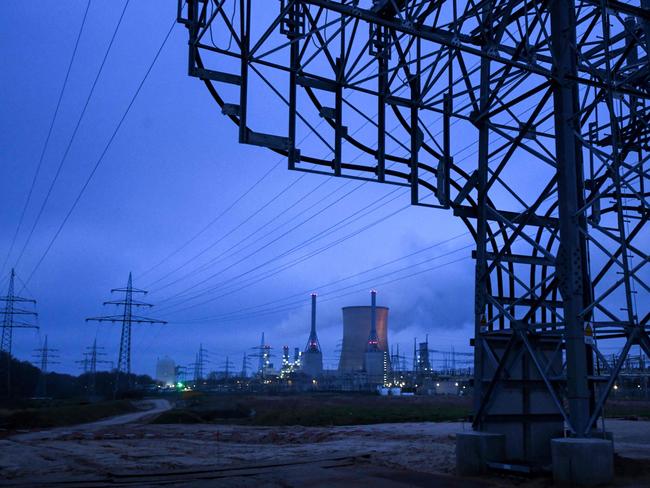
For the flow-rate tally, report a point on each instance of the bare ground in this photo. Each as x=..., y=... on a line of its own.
x=197, y=455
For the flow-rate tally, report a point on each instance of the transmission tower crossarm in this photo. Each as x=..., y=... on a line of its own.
x=130, y=290
x=133, y=303
x=23, y=325
x=16, y=299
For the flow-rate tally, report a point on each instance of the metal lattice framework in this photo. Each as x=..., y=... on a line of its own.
x=127, y=318
x=527, y=119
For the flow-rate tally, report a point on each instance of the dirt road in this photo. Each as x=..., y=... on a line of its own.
x=149, y=408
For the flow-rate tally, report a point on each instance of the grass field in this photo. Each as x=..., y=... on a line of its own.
x=342, y=409
x=60, y=413
x=317, y=410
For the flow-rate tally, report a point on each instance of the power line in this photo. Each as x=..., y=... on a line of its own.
x=260, y=209
x=249, y=218
x=47, y=139
x=261, y=248
x=204, y=266
x=340, y=280
x=320, y=235
x=255, y=281
x=290, y=230
x=232, y=205
x=211, y=223
x=359, y=287
x=297, y=261
x=72, y=137
x=102, y=155
x=221, y=214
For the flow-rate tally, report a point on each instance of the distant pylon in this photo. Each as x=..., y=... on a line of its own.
x=199, y=364
x=9, y=323
x=264, y=357
x=260, y=364
x=181, y=373
x=415, y=355
x=45, y=358
x=127, y=319
x=244, y=366
x=227, y=368
x=90, y=362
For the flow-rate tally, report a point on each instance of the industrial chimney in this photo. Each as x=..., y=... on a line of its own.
x=312, y=362
x=375, y=361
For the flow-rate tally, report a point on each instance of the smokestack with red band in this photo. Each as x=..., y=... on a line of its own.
x=313, y=315
x=373, y=340
x=312, y=363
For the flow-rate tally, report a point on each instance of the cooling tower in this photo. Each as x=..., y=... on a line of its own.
x=356, y=330
x=166, y=371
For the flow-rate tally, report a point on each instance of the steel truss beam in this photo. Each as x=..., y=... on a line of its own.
x=555, y=96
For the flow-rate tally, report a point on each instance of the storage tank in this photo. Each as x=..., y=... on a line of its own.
x=356, y=330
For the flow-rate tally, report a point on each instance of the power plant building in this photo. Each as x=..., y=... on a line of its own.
x=356, y=331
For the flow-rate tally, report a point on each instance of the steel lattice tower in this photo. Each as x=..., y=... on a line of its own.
x=9, y=322
x=263, y=356
x=45, y=359
x=199, y=364
x=554, y=99
x=244, y=366
x=90, y=361
x=127, y=319
x=10, y=311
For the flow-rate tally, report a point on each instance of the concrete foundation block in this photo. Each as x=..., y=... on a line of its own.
x=582, y=462
x=475, y=449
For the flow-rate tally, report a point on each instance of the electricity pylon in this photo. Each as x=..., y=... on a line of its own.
x=45, y=359
x=9, y=322
x=227, y=365
x=263, y=357
x=199, y=364
x=244, y=366
x=90, y=362
x=127, y=319
x=553, y=98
